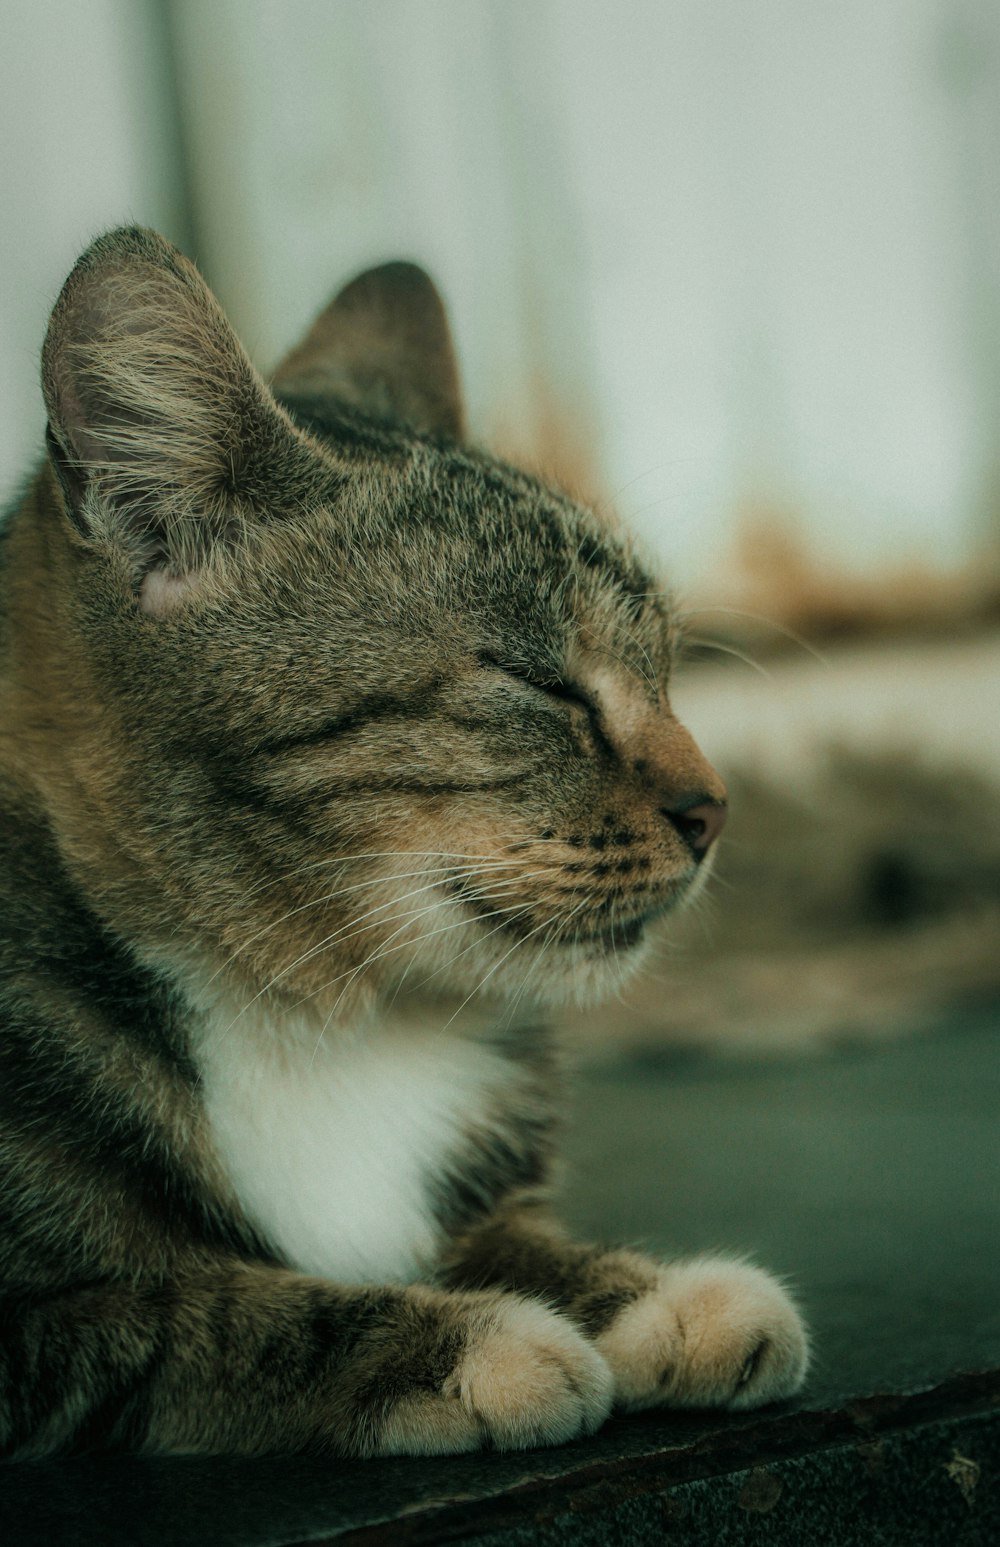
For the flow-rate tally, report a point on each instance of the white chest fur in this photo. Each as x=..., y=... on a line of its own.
x=332, y=1143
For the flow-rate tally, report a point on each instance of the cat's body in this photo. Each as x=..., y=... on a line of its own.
x=328, y=749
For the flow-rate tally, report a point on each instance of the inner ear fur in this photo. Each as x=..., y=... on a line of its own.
x=383, y=345
x=161, y=431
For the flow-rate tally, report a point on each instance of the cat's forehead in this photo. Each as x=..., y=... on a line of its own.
x=457, y=543
x=587, y=561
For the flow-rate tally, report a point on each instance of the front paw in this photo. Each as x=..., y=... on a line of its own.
x=523, y=1376
x=707, y=1333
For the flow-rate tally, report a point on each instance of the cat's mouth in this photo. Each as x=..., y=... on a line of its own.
x=621, y=935
x=608, y=928
x=554, y=947
x=614, y=934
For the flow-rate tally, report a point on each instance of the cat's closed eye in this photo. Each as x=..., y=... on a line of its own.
x=541, y=682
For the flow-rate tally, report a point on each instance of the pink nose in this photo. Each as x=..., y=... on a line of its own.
x=698, y=821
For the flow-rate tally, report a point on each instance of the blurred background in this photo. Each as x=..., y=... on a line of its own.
x=733, y=269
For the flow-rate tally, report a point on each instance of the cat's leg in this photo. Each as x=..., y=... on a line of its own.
x=249, y=1360
x=705, y=1332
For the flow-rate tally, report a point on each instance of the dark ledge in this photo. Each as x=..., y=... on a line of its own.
x=872, y=1178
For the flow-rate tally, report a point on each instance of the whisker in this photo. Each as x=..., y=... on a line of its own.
x=474, y=943
x=759, y=617
x=533, y=971
x=629, y=667
x=497, y=965
x=714, y=644
x=378, y=954
x=287, y=877
x=346, y=932
x=658, y=467
x=356, y=886
x=349, y=931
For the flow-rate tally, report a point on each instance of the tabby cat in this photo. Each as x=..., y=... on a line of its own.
x=330, y=748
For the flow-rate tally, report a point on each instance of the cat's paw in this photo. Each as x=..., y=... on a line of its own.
x=710, y=1333
x=524, y=1376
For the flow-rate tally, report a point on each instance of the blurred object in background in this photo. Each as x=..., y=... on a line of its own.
x=91, y=139
x=733, y=270
x=734, y=267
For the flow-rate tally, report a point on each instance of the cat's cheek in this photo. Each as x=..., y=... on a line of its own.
x=526, y=1377
x=712, y=1333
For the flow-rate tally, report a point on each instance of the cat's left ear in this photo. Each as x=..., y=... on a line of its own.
x=383, y=345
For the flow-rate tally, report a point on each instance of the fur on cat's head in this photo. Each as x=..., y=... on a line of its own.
x=332, y=699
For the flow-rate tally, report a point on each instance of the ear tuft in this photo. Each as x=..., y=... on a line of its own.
x=383, y=345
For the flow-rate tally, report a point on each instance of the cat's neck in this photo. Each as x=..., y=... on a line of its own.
x=226, y=1005
x=349, y=1144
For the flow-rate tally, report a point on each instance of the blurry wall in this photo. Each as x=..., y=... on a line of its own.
x=89, y=139
x=718, y=261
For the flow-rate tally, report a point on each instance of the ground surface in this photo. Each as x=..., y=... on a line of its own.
x=872, y=1179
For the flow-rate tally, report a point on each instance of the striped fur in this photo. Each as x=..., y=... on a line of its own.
x=331, y=748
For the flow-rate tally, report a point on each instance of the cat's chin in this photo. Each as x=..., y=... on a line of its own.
x=591, y=971
x=582, y=973
x=590, y=968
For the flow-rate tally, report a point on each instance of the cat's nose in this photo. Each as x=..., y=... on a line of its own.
x=699, y=819
x=687, y=789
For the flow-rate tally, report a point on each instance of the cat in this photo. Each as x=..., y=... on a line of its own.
x=331, y=748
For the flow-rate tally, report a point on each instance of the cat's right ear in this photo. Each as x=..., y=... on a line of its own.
x=384, y=345
x=164, y=438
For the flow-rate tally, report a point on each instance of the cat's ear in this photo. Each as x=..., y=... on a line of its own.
x=384, y=345
x=163, y=435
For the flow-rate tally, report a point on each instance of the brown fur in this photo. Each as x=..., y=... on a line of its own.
x=304, y=703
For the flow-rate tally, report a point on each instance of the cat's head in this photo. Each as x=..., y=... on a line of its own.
x=345, y=701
